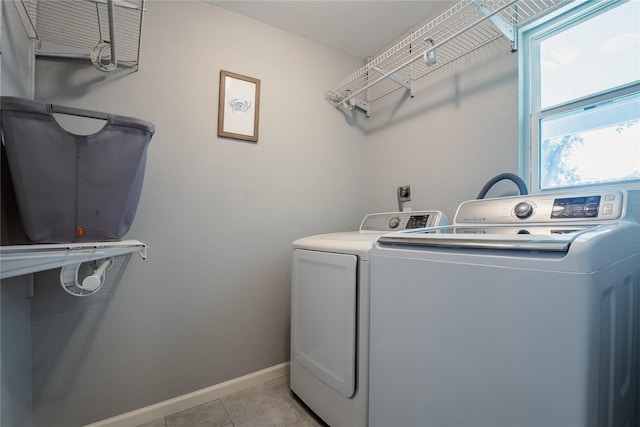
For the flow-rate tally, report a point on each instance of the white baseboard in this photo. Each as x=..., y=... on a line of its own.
x=186, y=401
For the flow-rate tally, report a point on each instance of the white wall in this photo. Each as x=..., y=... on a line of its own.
x=459, y=130
x=211, y=303
x=15, y=337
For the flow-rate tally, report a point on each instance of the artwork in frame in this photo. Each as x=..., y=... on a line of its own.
x=238, y=106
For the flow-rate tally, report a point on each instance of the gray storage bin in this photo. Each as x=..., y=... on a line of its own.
x=73, y=188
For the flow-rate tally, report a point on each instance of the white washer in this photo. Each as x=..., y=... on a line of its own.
x=524, y=312
x=330, y=316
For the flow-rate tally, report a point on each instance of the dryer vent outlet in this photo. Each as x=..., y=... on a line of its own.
x=404, y=193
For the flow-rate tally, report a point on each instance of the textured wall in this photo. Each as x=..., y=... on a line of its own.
x=459, y=130
x=211, y=303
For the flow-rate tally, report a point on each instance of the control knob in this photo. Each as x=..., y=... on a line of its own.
x=394, y=222
x=523, y=210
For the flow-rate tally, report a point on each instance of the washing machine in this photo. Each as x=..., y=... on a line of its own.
x=523, y=312
x=330, y=315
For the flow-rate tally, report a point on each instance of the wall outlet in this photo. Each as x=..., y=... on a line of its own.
x=404, y=193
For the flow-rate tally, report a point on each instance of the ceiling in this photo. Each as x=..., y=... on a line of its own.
x=361, y=28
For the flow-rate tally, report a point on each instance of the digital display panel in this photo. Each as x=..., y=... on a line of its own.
x=576, y=207
x=417, y=221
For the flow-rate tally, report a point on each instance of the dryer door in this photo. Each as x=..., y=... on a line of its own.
x=323, y=317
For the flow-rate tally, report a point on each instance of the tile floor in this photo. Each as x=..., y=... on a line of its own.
x=265, y=405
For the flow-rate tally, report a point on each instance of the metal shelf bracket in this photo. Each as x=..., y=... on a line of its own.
x=357, y=103
x=505, y=27
x=406, y=83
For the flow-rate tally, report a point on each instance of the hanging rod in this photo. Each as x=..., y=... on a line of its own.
x=433, y=47
x=99, y=49
x=79, y=112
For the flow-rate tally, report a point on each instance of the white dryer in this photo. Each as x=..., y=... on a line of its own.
x=330, y=316
x=524, y=312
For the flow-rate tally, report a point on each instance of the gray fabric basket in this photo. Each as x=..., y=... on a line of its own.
x=73, y=188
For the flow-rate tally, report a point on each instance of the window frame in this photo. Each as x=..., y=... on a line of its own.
x=530, y=113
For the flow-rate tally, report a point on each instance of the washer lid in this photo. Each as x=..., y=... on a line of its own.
x=591, y=249
x=536, y=238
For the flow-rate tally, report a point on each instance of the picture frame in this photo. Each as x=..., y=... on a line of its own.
x=238, y=106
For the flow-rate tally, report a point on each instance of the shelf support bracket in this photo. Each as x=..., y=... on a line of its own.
x=357, y=103
x=407, y=84
x=503, y=25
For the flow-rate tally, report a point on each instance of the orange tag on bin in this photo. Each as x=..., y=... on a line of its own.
x=80, y=232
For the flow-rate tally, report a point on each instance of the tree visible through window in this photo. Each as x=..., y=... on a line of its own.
x=581, y=159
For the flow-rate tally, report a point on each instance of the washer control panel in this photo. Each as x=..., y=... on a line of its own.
x=596, y=206
x=580, y=207
x=396, y=221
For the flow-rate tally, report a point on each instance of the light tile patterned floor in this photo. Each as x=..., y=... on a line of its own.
x=265, y=405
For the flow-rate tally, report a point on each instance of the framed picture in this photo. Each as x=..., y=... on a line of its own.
x=238, y=106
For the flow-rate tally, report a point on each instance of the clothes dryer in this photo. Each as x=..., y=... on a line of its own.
x=523, y=312
x=330, y=316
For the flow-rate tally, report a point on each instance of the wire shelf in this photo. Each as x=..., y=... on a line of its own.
x=465, y=27
x=26, y=259
x=81, y=29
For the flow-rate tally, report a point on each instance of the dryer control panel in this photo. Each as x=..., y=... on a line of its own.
x=396, y=221
x=591, y=206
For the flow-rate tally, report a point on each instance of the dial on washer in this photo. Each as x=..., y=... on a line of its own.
x=523, y=210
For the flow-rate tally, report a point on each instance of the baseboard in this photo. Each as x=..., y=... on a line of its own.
x=186, y=401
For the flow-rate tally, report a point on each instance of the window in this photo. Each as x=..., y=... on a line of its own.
x=580, y=97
